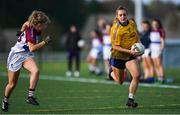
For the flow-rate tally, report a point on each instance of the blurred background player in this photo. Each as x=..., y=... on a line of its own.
x=100, y=28
x=106, y=47
x=157, y=37
x=73, y=51
x=22, y=56
x=123, y=35
x=147, y=61
x=94, y=53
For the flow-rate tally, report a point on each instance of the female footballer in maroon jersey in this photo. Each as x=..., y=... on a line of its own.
x=22, y=56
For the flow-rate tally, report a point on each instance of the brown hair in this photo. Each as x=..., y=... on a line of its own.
x=121, y=8
x=37, y=17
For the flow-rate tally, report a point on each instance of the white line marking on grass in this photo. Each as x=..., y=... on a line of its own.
x=102, y=108
x=91, y=80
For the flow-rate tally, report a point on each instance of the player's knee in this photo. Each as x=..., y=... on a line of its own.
x=35, y=72
x=12, y=85
x=136, y=76
x=118, y=79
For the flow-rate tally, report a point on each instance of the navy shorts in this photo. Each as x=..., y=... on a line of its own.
x=118, y=63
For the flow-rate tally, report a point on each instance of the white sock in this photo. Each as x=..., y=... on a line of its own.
x=91, y=67
x=131, y=96
x=97, y=70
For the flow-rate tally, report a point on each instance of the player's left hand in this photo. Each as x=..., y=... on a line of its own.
x=47, y=39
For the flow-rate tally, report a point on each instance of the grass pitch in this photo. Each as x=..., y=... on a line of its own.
x=57, y=94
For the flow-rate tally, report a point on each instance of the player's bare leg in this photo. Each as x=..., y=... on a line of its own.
x=13, y=78
x=159, y=68
x=12, y=81
x=145, y=67
x=91, y=64
x=117, y=75
x=107, y=66
x=148, y=70
x=32, y=67
x=156, y=66
x=150, y=67
x=134, y=69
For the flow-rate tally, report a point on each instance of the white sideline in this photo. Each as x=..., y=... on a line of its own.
x=91, y=80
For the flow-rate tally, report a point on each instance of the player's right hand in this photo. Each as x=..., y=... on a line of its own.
x=47, y=39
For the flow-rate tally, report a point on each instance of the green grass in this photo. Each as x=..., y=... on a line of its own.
x=77, y=97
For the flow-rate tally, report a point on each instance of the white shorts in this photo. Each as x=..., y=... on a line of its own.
x=106, y=52
x=94, y=53
x=146, y=53
x=15, y=60
x=155, y=50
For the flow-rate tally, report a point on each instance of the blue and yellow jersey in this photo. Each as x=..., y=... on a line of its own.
x=123, y=36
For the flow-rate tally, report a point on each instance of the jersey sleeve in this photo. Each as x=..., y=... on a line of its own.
x=29, y=35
